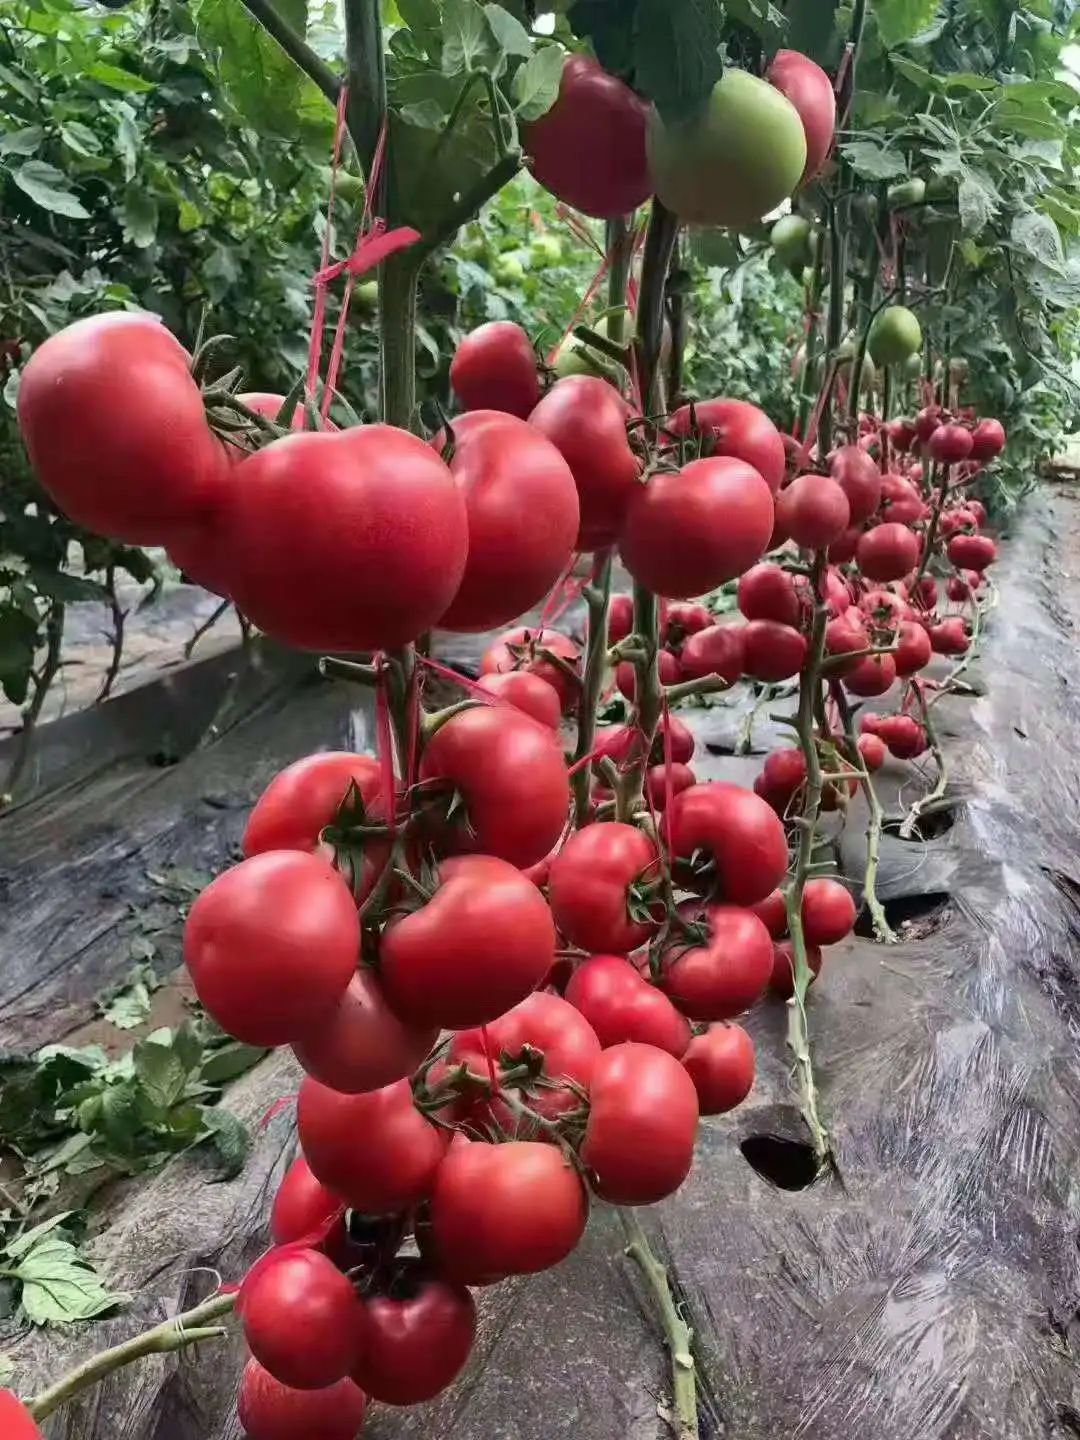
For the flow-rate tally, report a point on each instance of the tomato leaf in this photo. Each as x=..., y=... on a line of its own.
x=48, y=187
x=873, y=160
x=510, y=35
x=536, y=84
x=230, y=1140
x=59, y=1285
x=1037, y=235
x=22, y=142
x=677, y=54
x=901, y=20
x=812, y=29
x=467, y=38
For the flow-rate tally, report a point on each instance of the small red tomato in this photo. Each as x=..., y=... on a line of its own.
x=680, y=741
x=950, y=637
x=715, y=651
x=903, y=735
x=913, y=650
x=362, y=1044
x=626, y=675
x=524, y=649
x=643, y=1115
x=888, y=552
x=924, y=595
x=972, y=552
x=660, y=779
x=811, y=91
x=481, y=943
x=846, y=635
x=927, y=421
x=782, y=777
x=528, y=692
x=620, y=1005
x=772, y=912
x=814, y=511
x=271, y=946
x=885, y=609
x=509, y=1209
x=772, y=652
x=376, y=1150
x=769, y=592
x=738, y=831
x=721, y=1065
x=873, y=675
x=782, y=982
x=295, y=1293
x=900, y=501
x=841, y=551
x=416, y=1333
x=620, y=618
x=828, y=912
x=305, y=1210
x=685, y=619
x=592, y=888
x=738, y=429
x=727, y=972
x=872, y=750
x=950, y=444
x=269, y=1410
x=987, y=440
x=901, y=435
x=494, y=368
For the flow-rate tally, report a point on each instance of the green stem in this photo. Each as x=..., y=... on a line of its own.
x=620, y=253
x=932, y=529
x=42, y=683
x=366, y=72
x=678, y=1336
x=875, y=820
x=165, y=1339
x=811, y=342
x=932, y=797
x=397, y=339
x=660, y=240
x=597, y=599
x=835, y=322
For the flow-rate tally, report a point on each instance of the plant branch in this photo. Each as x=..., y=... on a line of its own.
x=875, y=819
x=597, y=598
x=678, y=1336
x=934, y=796
x=366, y=71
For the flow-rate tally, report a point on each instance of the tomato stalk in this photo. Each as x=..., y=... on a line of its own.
x=173, y=1335
x=41, y=682
x=811, y=340
x=678, y=1336
x=597, y=599
x=875, y=819
x=933, y=797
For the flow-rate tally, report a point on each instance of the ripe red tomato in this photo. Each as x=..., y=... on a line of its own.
x=680, y=741
x=782, y=777
x=927, y=421
x=522, y=509
x=15, y=1421
x=811, y=91
x=888, y=552
x=858, y=476
x=960, y=518
x=690, y=530
x=900, y=500
x=116, y=431
x=978, y=510
x=510, y=1209
x=416, y=1333
x=913, y=651
x=814, y=511
x=738, y=429
x=726, y=972
x=294, y=1293
x=972, y=552
x=660, y=778
x=950, y=444
x=494, y=368
x=872, y=750
x=739, y=831
x=841, y=551
x=987, y=440
x=589, y=149
x=772, y=652
x=269, y=1410
x=846, y=635
x=768, y=592
x=683, y=620
x=271, y=946
x=376, y=1150
x=828, y=912
x=872, y=675
x=620, y=1005
x=352, y=541
x=721, y=1065
x=528, y=692
x=585, y=418
x=950, y=637
x=903, y=735
x=521, y=650
x=772, y=912
x=885, y=609
x=481, y=943
x=924, y=595
x=715, y=651
x=590, y=887
x=510, y=772
x=620, y=618
x=643, y=1114
x=626, y=675
x=782, y=982
x=362, y=1044
x=304, y=1209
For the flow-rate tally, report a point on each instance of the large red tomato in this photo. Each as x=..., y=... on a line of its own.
x=858, y=476
x=362, y=1044
x=913, y=648
x=352, y=541
x=772, y=652
x=811, y=91
x=769, y=592
x=814, y=511
x=416, y=1333
x=972, y=552
x=900, y=500
x=509, y=1209
x=738, y=429
x=528, y=692
x=271, y=946
x=741, y=834
x=585, y=418
x=15, y=1421
x=300, y=1317
x=872, y=675
x=828, y=912
x=522, y=650
x=304, y=1208
x=726, y=972
x=522, y=506
x=116, y=430
x=721, y=1065
x=589, y=149
x=620, y=1005
x=269, y=1410
x=643, y=1114
x=510, y=772
x=690, y=530
x=494, y=368
x=481, y=943
x=888, y=552
x=719, y=650
x=590, y=888
x=376, y=1150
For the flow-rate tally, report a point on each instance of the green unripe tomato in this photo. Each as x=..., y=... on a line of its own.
x=907, y=192
x=941, y=187
x=366, y=296
x=734, y=162
x=791, y=238
x=545, y=250
x=894, y=336
x=508, y=270
x=846, y=356
x=913, y=366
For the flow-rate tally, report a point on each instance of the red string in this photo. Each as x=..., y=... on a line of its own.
x=275, y=1109
x=490, y=1062
x=586, y=301
x=385, y=740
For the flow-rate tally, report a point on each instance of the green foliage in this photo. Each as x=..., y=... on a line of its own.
x=46, y=1278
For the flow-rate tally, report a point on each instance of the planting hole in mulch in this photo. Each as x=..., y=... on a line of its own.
x=912, y=916
x=932, y=823
x=787, y=1164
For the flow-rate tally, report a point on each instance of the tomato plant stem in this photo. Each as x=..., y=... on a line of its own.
x=660, y=240
x=397, y=339
x=41, y=682
x=173, y=1335
x=366, y=70
x=620, y=253
x=934, y=796
x=597, y=599
x=875, y=819
x=678, y=1336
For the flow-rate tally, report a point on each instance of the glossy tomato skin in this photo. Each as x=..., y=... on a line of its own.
x=585, y=418
x=738, y=429
x=902, y=735
x=510, y=1209
x=269, y=1410
x=688, y=531
x=375, y=1150
x=872, y=675
x=116, y=431
x=950, y=444
x=743, y=835
x=662, y=779
x=772, y=652
x=719, y=650
x=782, y=982
x=15, y=1421
x=814, y=511
x=643, y=1115
x=362, y=1044
x=589, y=887
x=725, y=975
x=772, y=912
x=519, y=650
x=300, y=1317
x=768, y=592
x=271, y=946
x=987, y=440
x=972, y=552
x=782, y=777
x=620, y=1005
x=415, y=1337
x=914, y=650
x=349, y=541
x=494, y=368
x=626, y=674
x=846, y=634
x=811, y=91
x=304, y=1210
x=589, y=149
x=480, y=945
x=828, y=912
x=620, y=618
x=721, y=1064
x=511, y=774
x=888, y=552
x=872, y=750
x=522, y=508
x=527, y=692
